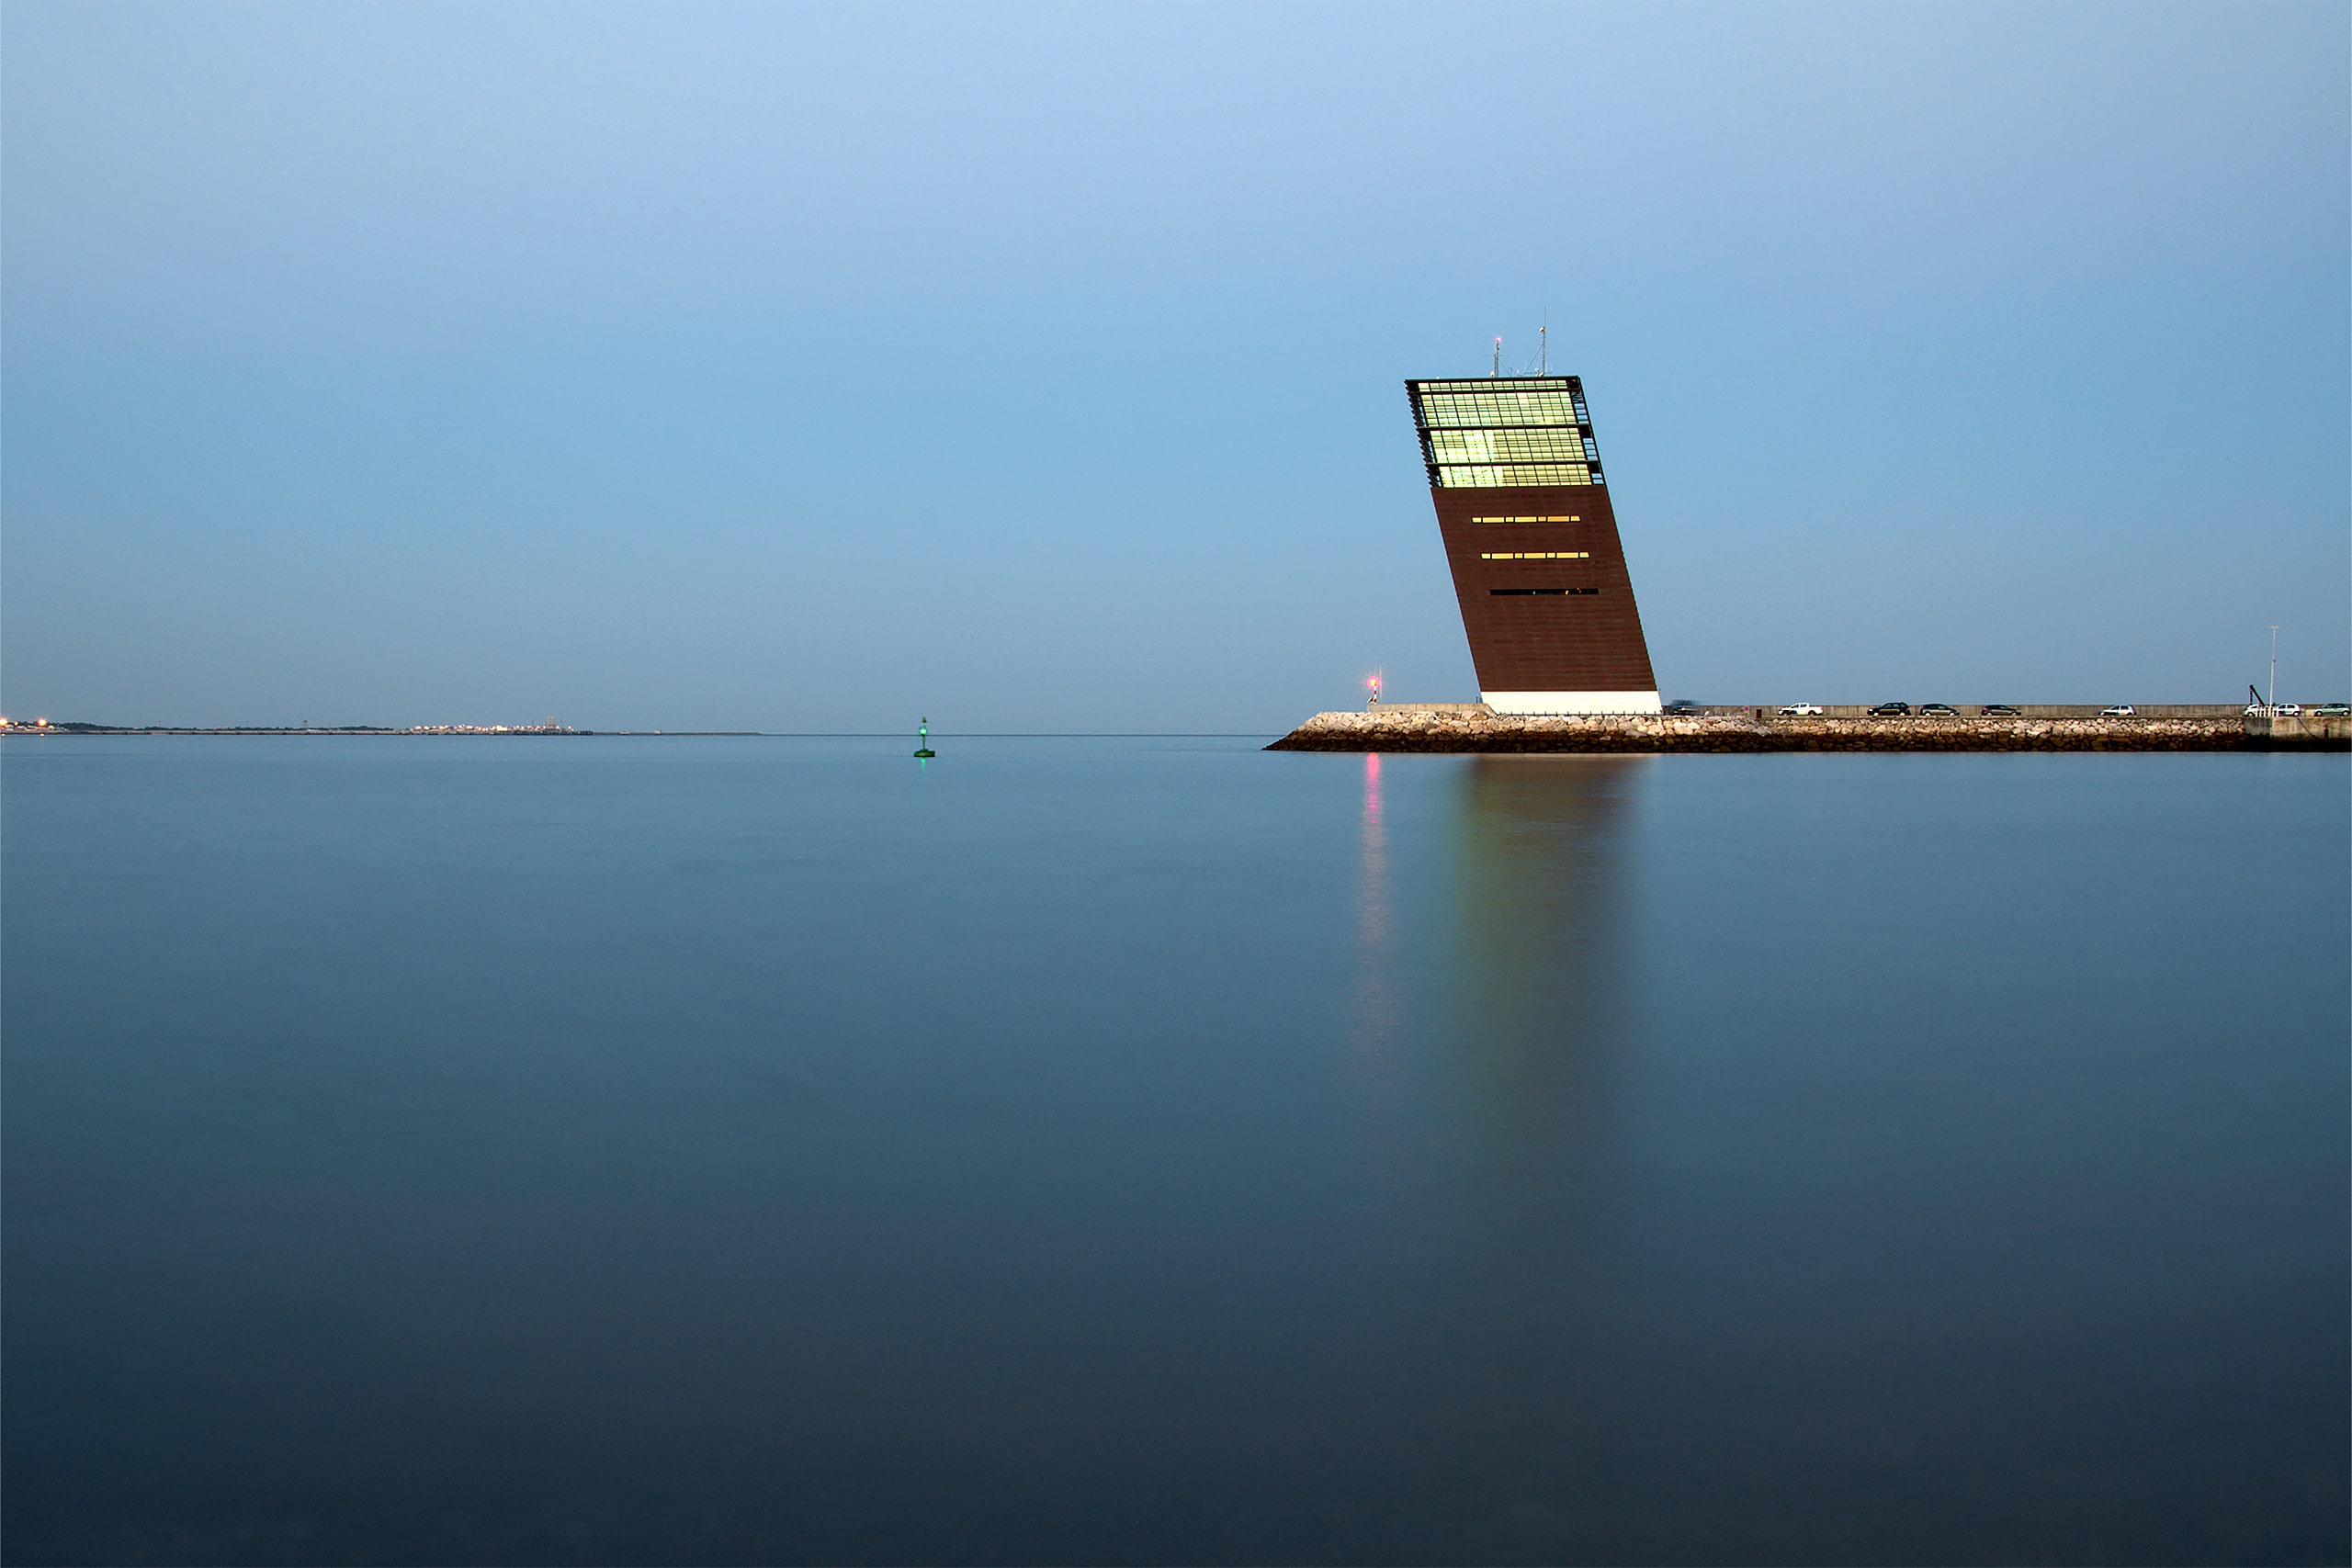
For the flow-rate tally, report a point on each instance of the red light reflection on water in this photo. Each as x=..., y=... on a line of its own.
x=1375, y=1003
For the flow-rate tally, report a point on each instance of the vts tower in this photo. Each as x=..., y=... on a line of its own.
x=1545, y=598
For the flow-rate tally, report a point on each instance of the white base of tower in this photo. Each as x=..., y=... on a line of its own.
x=1572, y=702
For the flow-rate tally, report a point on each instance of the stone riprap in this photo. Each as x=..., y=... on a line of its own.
x=1469, y=729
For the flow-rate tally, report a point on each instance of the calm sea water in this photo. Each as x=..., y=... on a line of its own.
x=1153, y=1150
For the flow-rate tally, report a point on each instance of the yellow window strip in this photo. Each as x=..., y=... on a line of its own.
x=1527, y=520
x=1535, y=554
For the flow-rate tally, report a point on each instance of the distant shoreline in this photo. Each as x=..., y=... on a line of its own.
x=418, y=732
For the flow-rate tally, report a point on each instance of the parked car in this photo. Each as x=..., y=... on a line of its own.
x=2001, y=710
x=2292, y=710
x=2118, y=710
x=1890, y=710
x=2333, y=710
x=1938, y=710
x=1682, y=705
x=1801, y=710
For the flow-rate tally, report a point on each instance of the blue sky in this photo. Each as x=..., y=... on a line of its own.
x=793, y=367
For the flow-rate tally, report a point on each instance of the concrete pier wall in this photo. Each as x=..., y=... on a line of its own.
x=2028, y=710
x=2304, y=728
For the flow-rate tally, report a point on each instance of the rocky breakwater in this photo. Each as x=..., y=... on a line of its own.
x=1472, y=730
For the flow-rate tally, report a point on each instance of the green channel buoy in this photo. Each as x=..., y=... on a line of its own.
x=922, y=737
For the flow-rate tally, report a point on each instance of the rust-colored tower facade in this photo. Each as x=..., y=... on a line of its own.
x=1533, y=542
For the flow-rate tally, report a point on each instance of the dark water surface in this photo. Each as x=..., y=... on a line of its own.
x=1133, y=1150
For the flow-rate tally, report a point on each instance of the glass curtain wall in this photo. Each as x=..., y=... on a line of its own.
x=1505, y=431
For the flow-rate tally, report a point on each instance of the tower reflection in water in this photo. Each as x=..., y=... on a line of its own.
x=1509, y=1248
x=1539, y=934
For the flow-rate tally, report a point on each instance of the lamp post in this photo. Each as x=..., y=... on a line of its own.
x=2274, y=669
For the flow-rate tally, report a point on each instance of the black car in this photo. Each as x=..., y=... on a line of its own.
x=1682, y=706
x=1938, y=710
x=1890, y=710
x=2001, y=710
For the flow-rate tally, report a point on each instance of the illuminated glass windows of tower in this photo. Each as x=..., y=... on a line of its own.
x=1525, y=430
